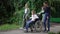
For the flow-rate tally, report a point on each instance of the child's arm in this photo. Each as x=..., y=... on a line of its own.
x=42, y=11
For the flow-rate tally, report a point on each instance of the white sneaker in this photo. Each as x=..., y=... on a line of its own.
x=21, y=28
x=24, y=29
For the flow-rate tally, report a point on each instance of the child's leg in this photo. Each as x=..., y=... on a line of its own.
x=27, y=24
x=32, y=25
x=24, y=20
x=48, y=22
x=24, y=23
x=44, y=22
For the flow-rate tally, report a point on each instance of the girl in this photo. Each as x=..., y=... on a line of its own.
x=46, y=16
x=26, y=14
x=34, y=18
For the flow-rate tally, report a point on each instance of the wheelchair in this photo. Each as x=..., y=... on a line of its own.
x=36, y=26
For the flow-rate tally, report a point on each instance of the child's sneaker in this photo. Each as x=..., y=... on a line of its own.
x=24, y=29
x=31, y=30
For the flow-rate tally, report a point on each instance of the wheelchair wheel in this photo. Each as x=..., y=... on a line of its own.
x=38, y=26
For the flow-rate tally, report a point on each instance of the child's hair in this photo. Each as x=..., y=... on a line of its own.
x=46, y=2
x=26, y=5
x=33, y=11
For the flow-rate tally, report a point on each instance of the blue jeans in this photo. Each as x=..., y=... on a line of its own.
x=48, y=21
x=27, y=24
x=25, y=17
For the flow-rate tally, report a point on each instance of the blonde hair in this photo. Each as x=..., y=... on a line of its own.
x=26, y=5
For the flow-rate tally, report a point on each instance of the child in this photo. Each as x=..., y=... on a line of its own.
x=46, y=16
x=26, y=13
x=34, y=18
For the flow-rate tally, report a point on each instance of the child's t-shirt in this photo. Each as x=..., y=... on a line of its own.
x=34, y=17
x=26, y=10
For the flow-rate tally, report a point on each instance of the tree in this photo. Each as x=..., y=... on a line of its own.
x=9, y=8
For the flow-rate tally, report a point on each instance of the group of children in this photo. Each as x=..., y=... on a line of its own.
x=45, y=17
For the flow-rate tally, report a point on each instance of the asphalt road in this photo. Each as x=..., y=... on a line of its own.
x=54, y=28
x=20, y=32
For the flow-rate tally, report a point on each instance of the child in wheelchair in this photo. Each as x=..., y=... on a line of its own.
x=31, y=21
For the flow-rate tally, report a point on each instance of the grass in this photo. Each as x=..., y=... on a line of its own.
x=58, y=32
x=8, y=27
x=55, y=20
x=51, y=33
x=54, y=32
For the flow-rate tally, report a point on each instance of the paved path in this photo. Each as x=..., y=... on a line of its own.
x=20, y=32
x=54, y=28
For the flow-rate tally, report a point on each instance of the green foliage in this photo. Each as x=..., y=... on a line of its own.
x=51, y=33
x=7, y=10
x=36, y=4
x=58, y=33
x=11, y=10
x=56, y=10
x=6, y=27
x=55, y=20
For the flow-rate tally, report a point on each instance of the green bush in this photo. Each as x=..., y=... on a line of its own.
x=9, y=7
x=51, y=33
x=56, y=20
x=58, y=33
